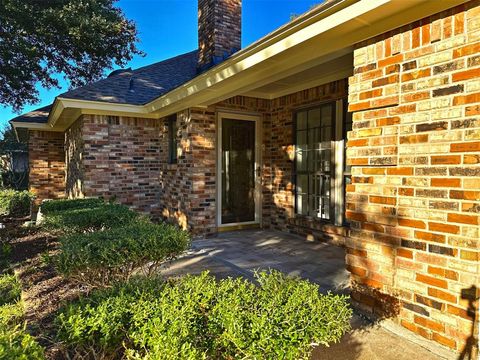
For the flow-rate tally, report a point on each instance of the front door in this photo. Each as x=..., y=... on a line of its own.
x=239, y=167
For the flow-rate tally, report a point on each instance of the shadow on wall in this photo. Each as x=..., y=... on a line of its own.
x=471, y=350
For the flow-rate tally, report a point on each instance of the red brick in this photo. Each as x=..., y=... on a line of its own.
x=359, y=106
x=417, y=74
x=442, y=295
x=400, y=171
x=465, y=146
x=466, y=99
x=405, y=253
x=390, y=60
x=431, y=281
x=446, y=159
x=466, y=75
x=472, y=110
x=371, y=94
x=454, y=310
x=430, y=324
x=422, y=235
x=441, y=339
x=448, y=274
x=445, y=228
x=357, y=142
x=445, y=182
x=356, y=216
x=466, y=195
x=357, y=270
x=464, y=219
x=467, y=50
x=411, y=223
x=382, y=200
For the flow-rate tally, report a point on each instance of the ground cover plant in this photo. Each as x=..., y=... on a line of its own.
x=10, y=289
x=15, y=341
x=15, y=203
x=197, y=317
x=98, y=258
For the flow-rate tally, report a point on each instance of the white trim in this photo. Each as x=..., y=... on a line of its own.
x=34, y=126
x=300, y=44
x=257, y=119
x=338, y=165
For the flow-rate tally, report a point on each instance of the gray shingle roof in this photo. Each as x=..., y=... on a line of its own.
x=135, y=87
x=140, y=86
x=39, y=116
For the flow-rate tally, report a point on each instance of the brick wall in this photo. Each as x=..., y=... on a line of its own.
x=188, y=187
x=115, y=157
x=219, y=30
x=277, y=165
x=47, y=164
x=414, y=201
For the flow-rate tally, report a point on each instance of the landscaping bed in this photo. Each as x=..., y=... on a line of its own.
x=91, y=289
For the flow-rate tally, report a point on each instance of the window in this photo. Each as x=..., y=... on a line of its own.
x=172, y=139
x=319, y=161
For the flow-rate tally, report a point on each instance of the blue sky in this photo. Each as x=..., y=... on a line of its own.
x=169, y=27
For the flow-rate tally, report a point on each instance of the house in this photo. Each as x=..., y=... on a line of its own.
x=357, y=122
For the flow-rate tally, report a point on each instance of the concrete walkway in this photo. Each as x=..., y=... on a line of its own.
x=240, y=253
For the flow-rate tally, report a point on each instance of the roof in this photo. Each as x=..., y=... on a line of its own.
x=142, y=85
x=135, y=87
x=39, y=116
x=327, y=32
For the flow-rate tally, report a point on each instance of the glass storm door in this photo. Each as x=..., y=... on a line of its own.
x=238, y=161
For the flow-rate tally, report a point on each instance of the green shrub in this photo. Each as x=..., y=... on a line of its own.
x=11, y=314
x=98, y=258
x=10, y=289
x=16, y=343
x=200, y=317
x=51, y=206
x=15, y=203
x=5, y=250
x=86, y=220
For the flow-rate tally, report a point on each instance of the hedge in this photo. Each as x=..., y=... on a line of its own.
x=98, y=258
x=102, y=217
x=199, y=317
x=50, y=206
x=15, y=203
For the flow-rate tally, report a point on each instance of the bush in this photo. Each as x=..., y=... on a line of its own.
x=90, y=219
x=98, y=258
x=16, y=343
x=51, y=206
x=11, y=314
x=10, y=289
x=199, y=317
x=15, y=203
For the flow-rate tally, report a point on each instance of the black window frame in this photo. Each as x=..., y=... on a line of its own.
x=331, y=218
x=172, y=139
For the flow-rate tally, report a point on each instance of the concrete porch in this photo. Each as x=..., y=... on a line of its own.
x=240, y=253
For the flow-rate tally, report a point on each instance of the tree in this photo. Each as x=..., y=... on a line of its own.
x=76, y=38
x=13, y=160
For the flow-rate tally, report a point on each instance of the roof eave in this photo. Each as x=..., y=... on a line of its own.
x=343, y=24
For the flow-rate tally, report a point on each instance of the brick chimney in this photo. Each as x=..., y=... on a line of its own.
x=219, y=31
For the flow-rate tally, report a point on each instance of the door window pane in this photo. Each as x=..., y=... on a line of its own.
x=238, y=171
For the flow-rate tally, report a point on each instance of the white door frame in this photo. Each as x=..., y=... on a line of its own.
x=257, y=167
